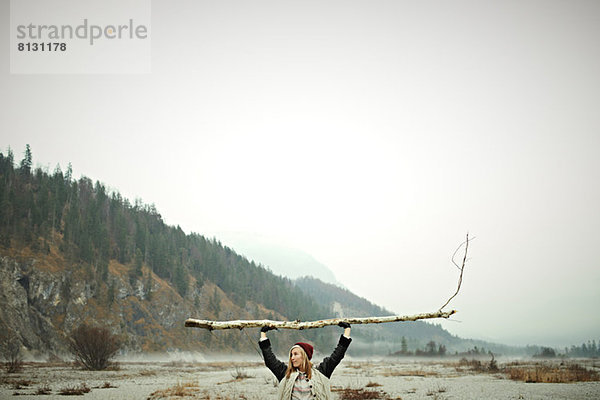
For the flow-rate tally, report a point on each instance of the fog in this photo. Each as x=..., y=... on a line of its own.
x=371, y=135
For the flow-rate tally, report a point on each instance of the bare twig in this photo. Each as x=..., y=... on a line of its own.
x=461, y=268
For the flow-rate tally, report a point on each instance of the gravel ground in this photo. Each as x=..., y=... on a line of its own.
x=251, y=380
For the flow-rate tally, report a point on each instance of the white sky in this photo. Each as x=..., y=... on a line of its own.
x=372, y=135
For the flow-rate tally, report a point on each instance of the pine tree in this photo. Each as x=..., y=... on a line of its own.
x=138, y=260
x=181, y=280
x=69, y=174
x=26, y=162
x=403, y=346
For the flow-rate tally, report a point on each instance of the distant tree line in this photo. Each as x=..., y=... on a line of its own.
x=589, y=350
x=91, y=226
x=433, y=349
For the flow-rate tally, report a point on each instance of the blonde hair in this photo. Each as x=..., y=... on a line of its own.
x=305, y=367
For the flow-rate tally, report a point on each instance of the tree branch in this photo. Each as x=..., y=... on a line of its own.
x=299, y=325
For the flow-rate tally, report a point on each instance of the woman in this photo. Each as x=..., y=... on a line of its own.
x=300, y=380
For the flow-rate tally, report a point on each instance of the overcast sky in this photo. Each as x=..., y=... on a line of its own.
x=371, y=134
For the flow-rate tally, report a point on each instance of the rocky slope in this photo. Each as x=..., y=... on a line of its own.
x=42, y=301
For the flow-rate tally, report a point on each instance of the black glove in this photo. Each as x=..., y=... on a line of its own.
x=266, y=329
x=344, y=325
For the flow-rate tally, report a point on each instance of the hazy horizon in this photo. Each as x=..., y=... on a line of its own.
x=372, y=136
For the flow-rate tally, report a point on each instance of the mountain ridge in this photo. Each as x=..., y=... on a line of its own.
x=280, y=258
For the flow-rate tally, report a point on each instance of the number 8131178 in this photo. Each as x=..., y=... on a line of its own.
x=44, y=46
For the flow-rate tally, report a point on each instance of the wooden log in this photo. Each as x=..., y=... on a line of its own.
x=241, y=324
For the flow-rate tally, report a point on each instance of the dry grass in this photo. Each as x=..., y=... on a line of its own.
x=21, y=383
x=188, y=389
x=147, y=372
x=74, y=390
x=540, y=372
x=419, y=372
x=473, y=363
x=360, y=365
x=349, y=393
x=43, y=390
x=181, y=389
x=358, y=394
x=238, y=375
x=478, y=365
x=106, y=385
x=435, y=392
x=219, y=397
x=547, y=373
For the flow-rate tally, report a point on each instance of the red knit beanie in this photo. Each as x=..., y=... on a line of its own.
x=308, y=349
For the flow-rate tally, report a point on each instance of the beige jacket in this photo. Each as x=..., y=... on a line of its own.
x=320, y=387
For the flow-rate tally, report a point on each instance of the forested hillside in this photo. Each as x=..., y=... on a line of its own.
x=100, y=237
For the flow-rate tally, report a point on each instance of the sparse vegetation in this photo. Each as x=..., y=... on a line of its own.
x=539, y=372
x=547, y=373
x=93, y=347
x=420, y=372
x=359, y=394
x=435, y=392
x=43, y=390
x=350, y=393
x=240, y=374
x=478, y=365
x=21, y=383
x=147, y=372
x=75, y=390
x=181, y=389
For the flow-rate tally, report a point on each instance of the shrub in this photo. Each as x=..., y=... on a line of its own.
x=240, y=374
x=10, y=347
x=493, y=365
x=478, y=366
x=93, y=347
